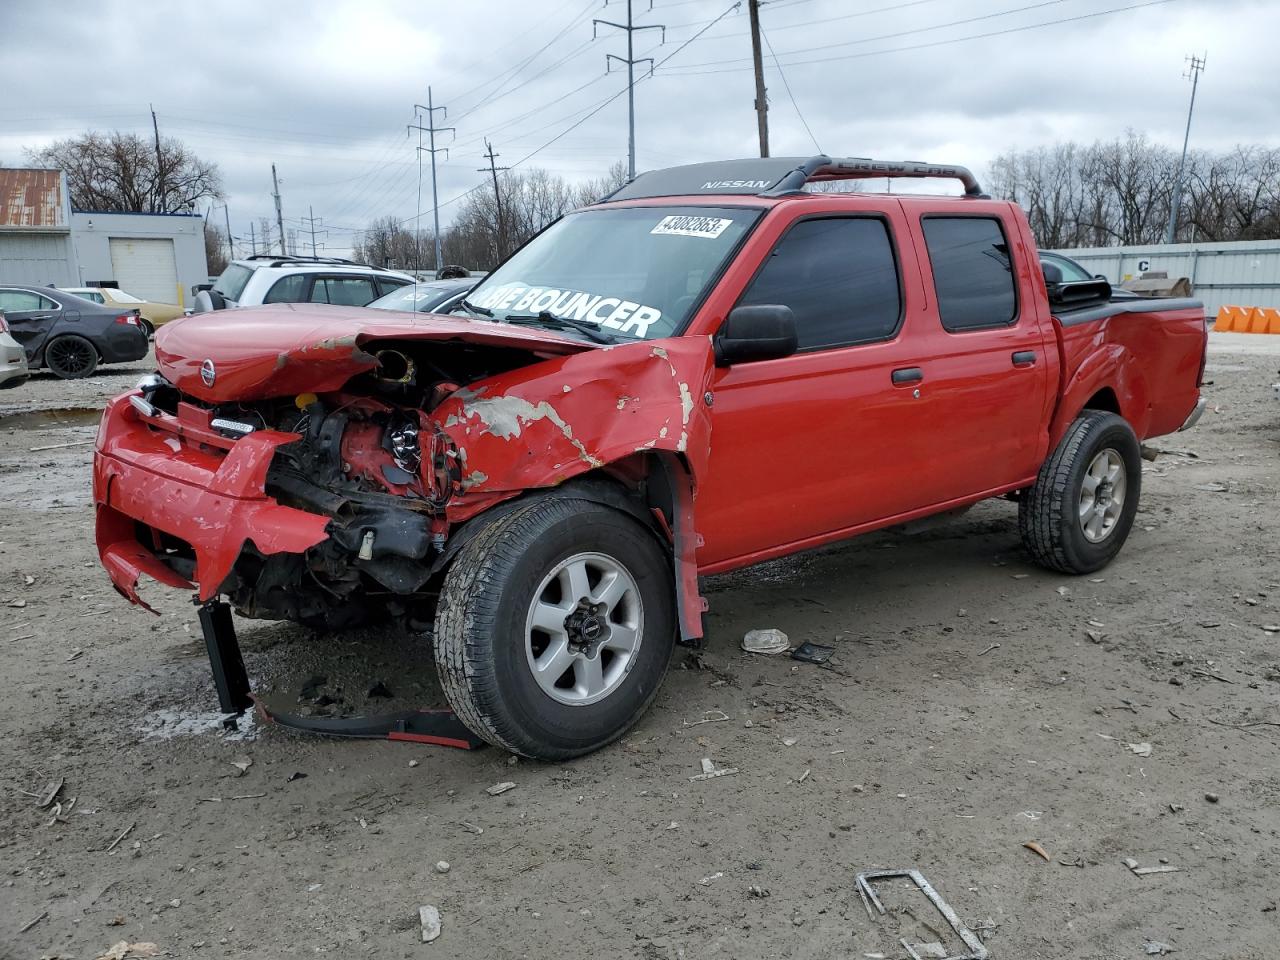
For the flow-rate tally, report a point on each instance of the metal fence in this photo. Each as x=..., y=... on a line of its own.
x=1242, y=273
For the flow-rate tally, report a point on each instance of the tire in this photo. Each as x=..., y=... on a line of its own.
x=148, y=327
x=71, y=357
x=1079, y=513
x=486, y=648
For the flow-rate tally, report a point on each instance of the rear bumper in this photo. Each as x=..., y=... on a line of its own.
x=1194, y=417
x=121, y=343
x=159, y=475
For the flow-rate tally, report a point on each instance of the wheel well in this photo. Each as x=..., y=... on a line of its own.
x=1104, y=399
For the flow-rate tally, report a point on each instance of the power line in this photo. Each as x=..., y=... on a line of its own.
x=432, y=130
x=787, y=86
x=1193, y=74
x=500, y=238
x=939, y=43
x=894, y=35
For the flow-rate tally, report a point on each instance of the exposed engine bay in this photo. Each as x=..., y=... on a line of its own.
x=372, y=460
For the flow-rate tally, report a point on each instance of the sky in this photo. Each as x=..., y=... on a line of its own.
x=325, y=90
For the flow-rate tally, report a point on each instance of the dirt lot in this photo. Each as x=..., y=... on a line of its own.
x=975, y=703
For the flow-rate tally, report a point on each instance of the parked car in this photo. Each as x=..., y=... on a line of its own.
x=812, y=365
x=265, y=279
x=1061, y=269
x=68, y=334
x=13, y=359
x=432, y=296
x=153, y=313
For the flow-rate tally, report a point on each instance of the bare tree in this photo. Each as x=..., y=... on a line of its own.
x=215, y=249
x=120, y=173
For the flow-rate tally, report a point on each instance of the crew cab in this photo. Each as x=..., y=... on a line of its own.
x=711, y=367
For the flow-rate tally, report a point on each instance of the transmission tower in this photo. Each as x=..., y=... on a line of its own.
x=429, y=114
x=631, y=62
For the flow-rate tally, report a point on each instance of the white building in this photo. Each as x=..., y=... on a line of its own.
x=156, y=256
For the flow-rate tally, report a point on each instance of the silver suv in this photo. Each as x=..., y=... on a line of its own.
x=278, y=279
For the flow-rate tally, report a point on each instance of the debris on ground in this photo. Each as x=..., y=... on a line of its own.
x=1037, y=849
x=127, y=951
x=1141, y=749
x=710, y=716
x=757, y=891
x=499, y=788
x=242, y=764
x=442, y=866
x=51, y=792
x=429, y=917
x=769, y=641
x=124, y=833
x=31, y=923
x=1138, y=871
x=295, y=776
x=812, y=653
x=706, y=881
x=1155, y=948
x=710, y=771
x=1211, y=797
x=863, y=883
x=379, y=691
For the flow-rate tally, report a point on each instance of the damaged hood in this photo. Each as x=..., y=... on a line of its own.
x=288, y=348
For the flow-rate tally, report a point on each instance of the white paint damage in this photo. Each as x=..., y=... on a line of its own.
x=506, y=417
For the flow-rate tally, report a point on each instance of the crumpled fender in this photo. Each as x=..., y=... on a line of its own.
x=1110, y=365
x=541, y=425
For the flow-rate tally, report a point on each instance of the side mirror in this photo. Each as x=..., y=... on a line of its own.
x=765, y=331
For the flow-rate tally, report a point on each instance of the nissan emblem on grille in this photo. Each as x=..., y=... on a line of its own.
x=207, y=373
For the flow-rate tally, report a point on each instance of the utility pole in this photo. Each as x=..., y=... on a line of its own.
x=160, y=191
x=431, y=130
x=312, y=221
x=231, y=250
x=253, y=239
x=500, y=240
x=279, y=214
x=1192, y=74
x=631, y=62
x=762, y=101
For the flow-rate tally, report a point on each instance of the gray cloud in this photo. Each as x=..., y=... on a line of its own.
x=324, y=90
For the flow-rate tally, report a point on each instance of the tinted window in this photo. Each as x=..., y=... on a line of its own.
x=346, y=291
x=231, y=283
x=387, y=284
x=971, y=272
x=1071, y=271
x=287, y=289
x=838, y=277
x=15, y=301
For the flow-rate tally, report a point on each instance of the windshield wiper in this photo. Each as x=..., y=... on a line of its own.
x=478, y=311
x=548, y=319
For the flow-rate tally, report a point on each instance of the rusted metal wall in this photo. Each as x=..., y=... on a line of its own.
x=33, y=199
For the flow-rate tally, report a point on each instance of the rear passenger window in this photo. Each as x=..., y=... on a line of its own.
x=287, y=289
x=972, y=273
x=346, y=291
x=839, y=278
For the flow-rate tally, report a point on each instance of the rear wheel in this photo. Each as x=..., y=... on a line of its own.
x=1079, y=513
x=148, y=327
x=70, y=357
x=555, y=627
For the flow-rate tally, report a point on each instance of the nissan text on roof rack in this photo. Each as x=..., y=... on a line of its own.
x=710, y=368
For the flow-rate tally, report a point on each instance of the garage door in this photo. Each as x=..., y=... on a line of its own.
x=145, y=268
x=35, y=258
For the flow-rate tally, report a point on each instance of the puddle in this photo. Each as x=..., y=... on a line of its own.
x=55, y=419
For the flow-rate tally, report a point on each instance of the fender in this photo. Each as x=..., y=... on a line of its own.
x=1109, y=365
x=540, y=426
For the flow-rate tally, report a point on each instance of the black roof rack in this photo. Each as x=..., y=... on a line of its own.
x=282, y=258
x=778, y=176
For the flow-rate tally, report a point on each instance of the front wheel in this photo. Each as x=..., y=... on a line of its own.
x=1079, y=513
x=555, y=627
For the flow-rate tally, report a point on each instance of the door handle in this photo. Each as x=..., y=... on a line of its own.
x=1024, y=358
x=905, y=375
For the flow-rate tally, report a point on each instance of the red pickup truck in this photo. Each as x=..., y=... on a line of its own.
x=711, y=367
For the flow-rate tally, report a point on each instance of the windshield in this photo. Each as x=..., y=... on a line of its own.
x=119, y=296
x=232, y=282
x=634, y=272
x=422, y=297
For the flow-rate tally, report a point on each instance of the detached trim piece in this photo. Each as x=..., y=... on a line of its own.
x=782, y=176
x=976, y=949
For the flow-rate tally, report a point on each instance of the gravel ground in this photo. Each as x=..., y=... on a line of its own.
x=975, y=703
